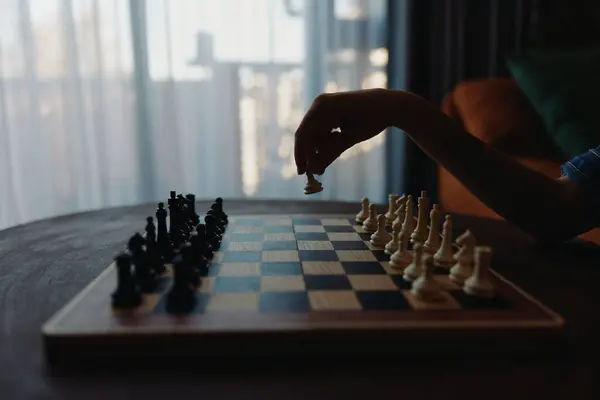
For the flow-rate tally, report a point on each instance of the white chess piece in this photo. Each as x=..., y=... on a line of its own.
x=402, y=255
x=464, y=258
x=381, y=237
x=426, y=287
x=413, y=271
x=391, y=214
x=419, y=234
x=433, y=240
x=479, y=284
x=443, y=257
x=370, y=224
x=400, y=214
x=392, y=245
x=312, y=185
x=409, y=219
x=364, y=210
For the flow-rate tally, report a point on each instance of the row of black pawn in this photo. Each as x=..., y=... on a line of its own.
x=188, y=245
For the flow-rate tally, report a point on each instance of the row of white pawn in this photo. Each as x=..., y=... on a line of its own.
x=468, y=267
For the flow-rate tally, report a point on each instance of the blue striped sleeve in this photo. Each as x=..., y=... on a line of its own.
x=585, y=170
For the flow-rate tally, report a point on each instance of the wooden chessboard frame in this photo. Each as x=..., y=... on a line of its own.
x=86, y=328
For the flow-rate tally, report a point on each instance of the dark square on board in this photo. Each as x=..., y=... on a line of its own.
x=305, y=221
x=380, y=255
x=199, y=307
x=363, y=268
x=284, y=302
x=327, y=282
x=400, y=282
x=338, y=228
x=280, y=268
x=349, y=245
x=319, y=236
x=468, y=302
x=318, y=255
x=235, y=284
x=280, y=245
x=365, y=236
x=382, y=300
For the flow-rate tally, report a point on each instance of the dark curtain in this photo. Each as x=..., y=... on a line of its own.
x=448, y=41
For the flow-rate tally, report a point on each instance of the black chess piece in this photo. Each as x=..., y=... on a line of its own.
x=187, y=257
x=162, y=236
x=212, y=235
x=144, y=275
x=181, y=298
x=191, y=198
x=153, y=253
x=219, y=201
x=174, y=220
x=127, y=294
x=219, y=227
x=200, y=244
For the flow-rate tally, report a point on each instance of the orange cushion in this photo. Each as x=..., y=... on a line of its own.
x=497, y=112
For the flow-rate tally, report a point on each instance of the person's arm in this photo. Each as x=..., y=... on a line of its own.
x=549, y=209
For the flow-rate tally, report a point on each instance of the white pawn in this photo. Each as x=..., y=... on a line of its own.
x=364, y=210
x=413, y=271
x=370, y=224
x=464, y=258
x=391, y=214
x=312, y=185
x=433, y=240
x=392, y=245
x=426, y=287
x=479, y=284
x=443, y=257
x=409, y=219
x=402, y=255
x=419, y=235
x=381, y=237
x=400, y=214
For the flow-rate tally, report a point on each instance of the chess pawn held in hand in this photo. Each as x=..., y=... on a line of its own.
x=312, y=185
x=464, y=258
x=479, y=284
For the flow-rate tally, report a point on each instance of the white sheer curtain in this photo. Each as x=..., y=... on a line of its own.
x=115, y=102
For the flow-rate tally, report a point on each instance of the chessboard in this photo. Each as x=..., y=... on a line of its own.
x=279, y=284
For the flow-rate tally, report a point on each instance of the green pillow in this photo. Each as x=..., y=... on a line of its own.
x=564, y=88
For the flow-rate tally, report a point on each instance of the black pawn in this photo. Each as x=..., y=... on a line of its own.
x=187, y=258
x=220, y=228
x=143, y=272
x=212, y=236
x=153, y=253
x=181, y=297
x=191, y=198
x=219, y=201
x=162, y=236
x=200, y=243
x=127, y=295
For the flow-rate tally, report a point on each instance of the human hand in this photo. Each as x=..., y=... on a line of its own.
x=360, y=115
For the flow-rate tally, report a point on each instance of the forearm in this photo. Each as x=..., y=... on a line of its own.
x=538, y=204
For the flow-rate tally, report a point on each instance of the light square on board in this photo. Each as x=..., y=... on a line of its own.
x=248, y=229
x=372, y=282
x=322, y=268
x=333, y=300
x=239, y=269
x=217, y=257
x=355, y=255
x=233, y=302
x=290, y=283
x=343, y=236
x=314, y=245
x=445, y=302
x=278, y=221
x=335, y=222
x=207, y=285
x=359, y=229
x=280, y=256
x=372, y=247
x=281, y=236
x=309, y=228
x=244, y=246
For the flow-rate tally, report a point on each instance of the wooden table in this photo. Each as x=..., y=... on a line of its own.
x=44, y=264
